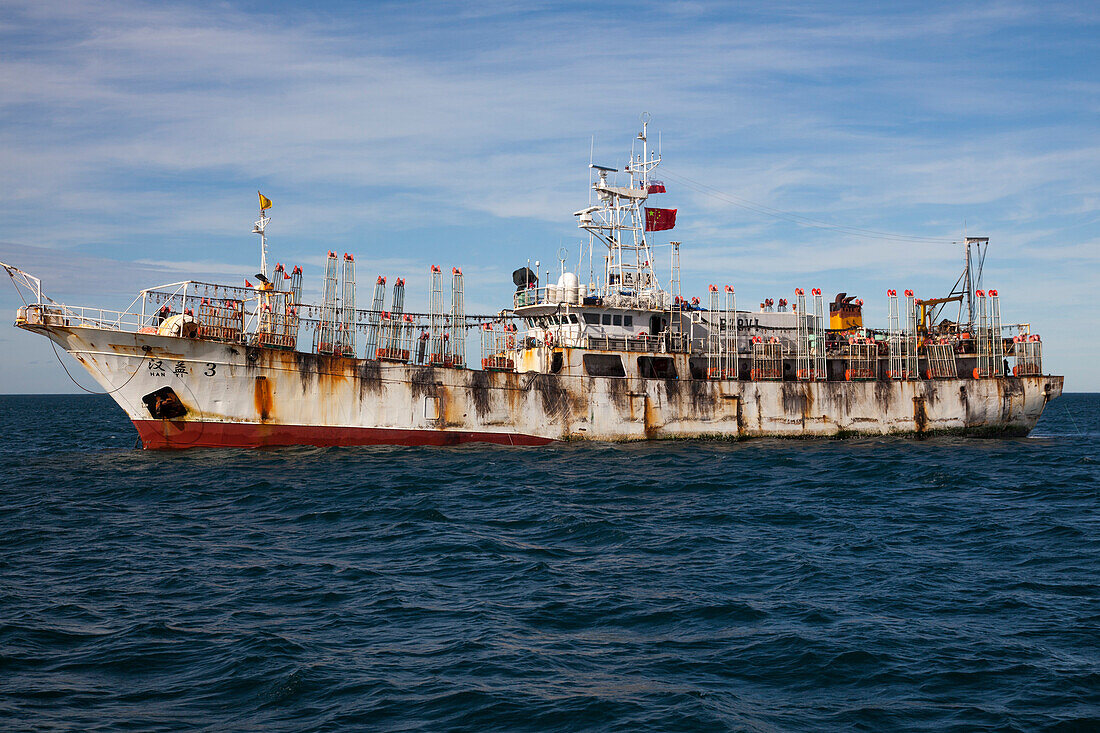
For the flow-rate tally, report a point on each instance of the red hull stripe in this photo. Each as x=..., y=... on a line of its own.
x=176, y=434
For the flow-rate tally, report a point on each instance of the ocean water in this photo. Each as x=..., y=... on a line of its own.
x=865, y=584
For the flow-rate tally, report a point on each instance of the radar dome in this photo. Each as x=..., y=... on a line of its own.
x=569, y=286
x=568, y=280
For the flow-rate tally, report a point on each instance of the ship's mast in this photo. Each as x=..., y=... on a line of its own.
x=964, y=289
x=976, y=248
x=618, y=220
x=259, y=227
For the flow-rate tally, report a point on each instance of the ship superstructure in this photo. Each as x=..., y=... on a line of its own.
x=622, y=356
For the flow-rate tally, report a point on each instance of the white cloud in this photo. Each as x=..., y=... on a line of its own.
x=423, y=132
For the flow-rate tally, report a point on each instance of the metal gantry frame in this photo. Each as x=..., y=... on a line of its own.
x=405, y=331
x=221, y=320
x=347, y=308
x=820, y=367
x=675, y=300
x=397, y=302
x=715, y=360
x=458, y=318
x=862, y=359
x=374, y=321
x=767, y=359
x=674, y=271
x=984, y=337
x=997, y=347
x=391, y=341
x=277, y=322
x=803, y=371
x=912, y=353
x=729, y=319
x=296, y=285
x=497, y=347
x=325, y=335
x=488, y=347
x=893, y=327
x=941, y=360
x=1028, y=351
x=435, y=318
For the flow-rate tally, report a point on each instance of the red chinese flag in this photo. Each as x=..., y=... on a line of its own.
x=657, y=220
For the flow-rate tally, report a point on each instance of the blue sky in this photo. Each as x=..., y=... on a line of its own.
x=133, y=137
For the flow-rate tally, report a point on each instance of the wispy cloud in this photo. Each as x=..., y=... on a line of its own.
x=419, y=133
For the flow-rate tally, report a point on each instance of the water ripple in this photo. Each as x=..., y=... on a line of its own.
x=868, y=584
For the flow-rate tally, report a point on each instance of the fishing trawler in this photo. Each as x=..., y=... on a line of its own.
x=620, y=357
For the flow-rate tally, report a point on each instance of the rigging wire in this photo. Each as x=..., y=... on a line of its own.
x=801, y=220
x=145, y=348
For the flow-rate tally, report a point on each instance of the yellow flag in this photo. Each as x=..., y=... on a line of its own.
x=265, y=202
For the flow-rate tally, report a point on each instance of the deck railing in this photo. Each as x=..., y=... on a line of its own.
x=57, y=314
x=641, y=342
x=550, y=295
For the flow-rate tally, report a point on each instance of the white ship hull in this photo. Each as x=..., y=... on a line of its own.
x=234, y=395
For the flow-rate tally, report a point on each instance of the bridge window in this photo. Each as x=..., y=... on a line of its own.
x=607, y=319
x=617, y=320
x=628, y=321
x=592, y=318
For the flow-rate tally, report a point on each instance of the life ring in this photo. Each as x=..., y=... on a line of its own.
x=548, y=339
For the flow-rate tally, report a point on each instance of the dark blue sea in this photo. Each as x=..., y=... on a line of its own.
x=865, y=584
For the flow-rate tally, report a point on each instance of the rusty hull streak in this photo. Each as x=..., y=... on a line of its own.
x=265, y=403
x=920, y=416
